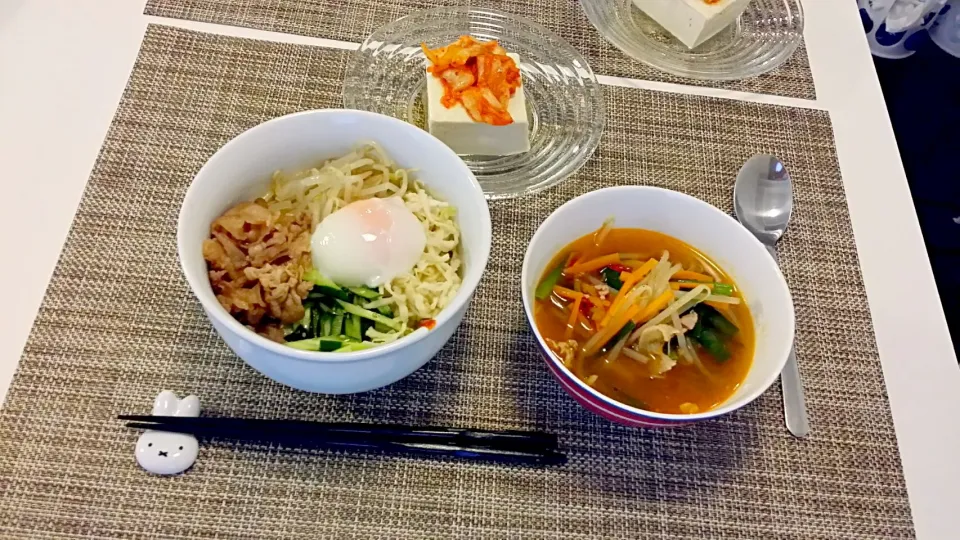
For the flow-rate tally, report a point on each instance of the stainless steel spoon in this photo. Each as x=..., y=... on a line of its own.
x=763, y=201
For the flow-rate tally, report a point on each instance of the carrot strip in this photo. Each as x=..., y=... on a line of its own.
x=564, y=292
x=654, y=307
x=598, y=314
x=688, y=285
x=611, y=329
x=589, y=289
x=642, y=272
x=629, y=281
x=572, y=321
x=593, y=264
x=695, y=276
x=619, y=299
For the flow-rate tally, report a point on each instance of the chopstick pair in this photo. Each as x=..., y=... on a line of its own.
x=513, y=447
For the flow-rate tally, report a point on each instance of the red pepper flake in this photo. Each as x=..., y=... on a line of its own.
x=585, y=306
x=618, y=268
x=429, y=324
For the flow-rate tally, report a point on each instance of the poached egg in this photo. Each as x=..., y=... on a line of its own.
x=368, y=242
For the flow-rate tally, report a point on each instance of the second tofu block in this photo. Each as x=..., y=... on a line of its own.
x=465, y=137
x=693, y=21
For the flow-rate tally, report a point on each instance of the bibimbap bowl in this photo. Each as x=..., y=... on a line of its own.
x=241, y=171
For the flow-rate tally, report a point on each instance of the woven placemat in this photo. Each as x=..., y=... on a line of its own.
x=118, y=324
x=354, y=20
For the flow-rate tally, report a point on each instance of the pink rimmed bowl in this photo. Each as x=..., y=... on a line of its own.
x=704, y=227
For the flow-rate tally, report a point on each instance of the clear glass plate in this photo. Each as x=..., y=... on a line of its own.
x=764, y=36
x=564, y=103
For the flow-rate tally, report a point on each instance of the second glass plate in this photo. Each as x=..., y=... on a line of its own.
x=764, y=36
x=387, y=75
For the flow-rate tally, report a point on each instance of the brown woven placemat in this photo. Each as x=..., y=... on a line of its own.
x=354, y=20
x=118, y=324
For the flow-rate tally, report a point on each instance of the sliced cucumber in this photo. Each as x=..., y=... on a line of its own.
x=325, y=286
x=364, y=292
x=352, y=327
x=305, y=321
x=373, y=316
x=336, y=327
x=332, y=292
x=326, y=325
x=321, y=344
x=317, y=278
x=315, y=321
x=329, y=344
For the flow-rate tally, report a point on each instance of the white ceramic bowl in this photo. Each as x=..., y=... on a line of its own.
x=702, y=226
x=241, y=171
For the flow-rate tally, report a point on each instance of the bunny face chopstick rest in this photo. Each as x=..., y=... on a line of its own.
x=164, y=453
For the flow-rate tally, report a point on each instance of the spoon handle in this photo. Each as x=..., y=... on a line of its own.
x=794, y=405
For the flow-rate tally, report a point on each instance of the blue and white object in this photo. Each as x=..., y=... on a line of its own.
x=945, y=30
x=164, y=453
x=897, y=28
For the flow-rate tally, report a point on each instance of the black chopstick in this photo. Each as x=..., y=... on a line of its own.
x=292, y=440
x=516, y=447
x=508, y=439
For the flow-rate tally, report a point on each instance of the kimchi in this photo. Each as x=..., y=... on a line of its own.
x=478, y=75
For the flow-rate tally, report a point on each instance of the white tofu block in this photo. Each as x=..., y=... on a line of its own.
x=692, y=21
x=457, y=130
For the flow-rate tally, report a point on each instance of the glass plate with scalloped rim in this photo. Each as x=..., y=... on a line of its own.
x=762, y=38
x=565, y=111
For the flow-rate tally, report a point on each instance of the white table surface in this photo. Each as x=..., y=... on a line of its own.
x=64, y=64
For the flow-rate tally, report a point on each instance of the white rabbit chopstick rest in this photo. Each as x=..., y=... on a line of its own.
x=164, y=453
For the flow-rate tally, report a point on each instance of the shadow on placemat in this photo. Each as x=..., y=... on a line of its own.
x=118, y=324
x=354, y=20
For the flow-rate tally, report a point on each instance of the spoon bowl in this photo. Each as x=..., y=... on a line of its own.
x=763, y=198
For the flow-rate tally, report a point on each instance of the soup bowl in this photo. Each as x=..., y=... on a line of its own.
x=241, y=171
x=712, y=232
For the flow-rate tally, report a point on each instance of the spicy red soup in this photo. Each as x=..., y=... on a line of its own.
x=647, y=320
